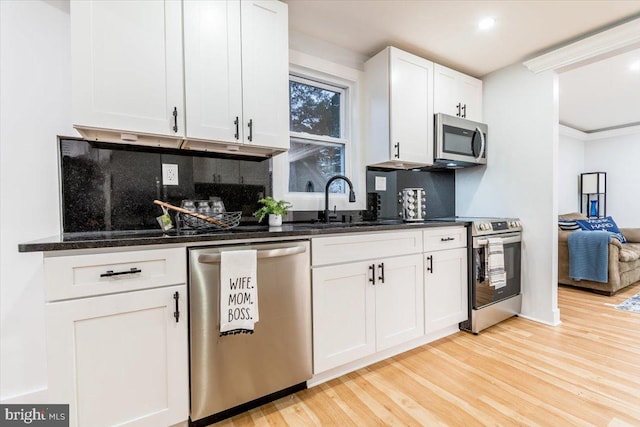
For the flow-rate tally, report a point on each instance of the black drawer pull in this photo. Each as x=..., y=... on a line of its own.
x=372, y=279
x=176, y=313
x=447, y=239
x=175, y=119
x=110, y=273
x=430, y=267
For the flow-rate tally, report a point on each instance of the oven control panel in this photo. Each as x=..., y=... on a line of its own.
x=484, y=227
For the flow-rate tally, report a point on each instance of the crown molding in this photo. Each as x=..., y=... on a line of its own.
x=622, y=36
x=570, y=132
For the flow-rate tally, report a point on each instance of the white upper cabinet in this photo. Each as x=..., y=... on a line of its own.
x=213, y=73
x=265, y=73
x=400, y=109
x=127, y=70
x=457, y=94
x=236, y=74
x=231, y=94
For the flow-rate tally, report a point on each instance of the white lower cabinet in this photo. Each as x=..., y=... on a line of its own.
x=399, y=307
x=117, y=343
x=446, y=282
x=363, y=307
x=343, y=315
x=120, y=359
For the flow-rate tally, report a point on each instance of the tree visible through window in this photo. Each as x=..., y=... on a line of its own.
x=317, y=149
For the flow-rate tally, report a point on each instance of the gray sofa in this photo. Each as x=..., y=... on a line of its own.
x=624, y=260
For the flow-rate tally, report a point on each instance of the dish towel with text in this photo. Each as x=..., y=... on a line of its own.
x=495, y=263
x=238, y=292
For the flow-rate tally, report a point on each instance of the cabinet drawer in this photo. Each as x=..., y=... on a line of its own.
x=359, y=247
x=444, y=238
x=74, y=276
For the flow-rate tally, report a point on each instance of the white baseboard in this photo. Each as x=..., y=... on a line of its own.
x=556, y=319
x=381, y=355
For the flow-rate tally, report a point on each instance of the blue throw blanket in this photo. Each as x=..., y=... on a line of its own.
x=589, y=255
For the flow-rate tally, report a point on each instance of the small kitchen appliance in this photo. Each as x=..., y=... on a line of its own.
x=459, y=142
x=412, y=204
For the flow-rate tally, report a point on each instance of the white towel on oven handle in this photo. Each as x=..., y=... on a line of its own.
x=238, y=292
x=495, y=253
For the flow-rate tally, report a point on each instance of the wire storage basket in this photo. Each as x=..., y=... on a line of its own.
x=213, y=209
x=226, y=220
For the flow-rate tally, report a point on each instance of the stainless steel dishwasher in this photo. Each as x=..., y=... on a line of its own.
x=233, y=373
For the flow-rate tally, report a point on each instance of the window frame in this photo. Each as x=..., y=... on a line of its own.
x=344, y=107
x=332, y=76
x=323, y=139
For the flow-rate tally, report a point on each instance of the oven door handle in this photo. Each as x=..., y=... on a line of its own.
x=266, y=253
x=505, y=241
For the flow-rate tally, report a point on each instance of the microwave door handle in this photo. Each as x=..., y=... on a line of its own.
x=482, y=144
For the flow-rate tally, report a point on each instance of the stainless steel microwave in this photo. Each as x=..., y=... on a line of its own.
x=459, y=142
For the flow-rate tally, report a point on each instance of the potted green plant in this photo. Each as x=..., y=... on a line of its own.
x=274, y=208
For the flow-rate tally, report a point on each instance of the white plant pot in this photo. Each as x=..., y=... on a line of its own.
x=275, y=220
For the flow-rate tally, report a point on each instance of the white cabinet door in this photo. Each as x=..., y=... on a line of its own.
x=399, y=300
x=457, y=94
x=445, y=288
x=343, y=314
x=399, y=116
x=120, y=359
x=265, y=73
x=213, y=72
x=445, y=91
x=127, y=66
x=470, y=92
x=411, y=108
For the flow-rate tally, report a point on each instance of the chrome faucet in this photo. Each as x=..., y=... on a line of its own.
x=352, y=195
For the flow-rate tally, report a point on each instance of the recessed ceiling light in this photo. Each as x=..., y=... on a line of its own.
x=486, y=23
x=635, y=66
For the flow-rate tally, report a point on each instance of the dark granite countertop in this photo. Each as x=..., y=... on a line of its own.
x=106, y=239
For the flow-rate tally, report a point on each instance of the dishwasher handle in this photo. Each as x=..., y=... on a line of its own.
x=266, y=253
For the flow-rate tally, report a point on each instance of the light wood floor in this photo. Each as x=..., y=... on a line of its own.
x=584, y=372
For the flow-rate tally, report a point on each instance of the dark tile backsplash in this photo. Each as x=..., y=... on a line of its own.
x=439, y=186
x=112, y=187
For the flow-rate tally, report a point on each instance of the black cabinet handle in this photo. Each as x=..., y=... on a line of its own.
x=447, y=239
x=175, y=119
x=250, y=130
x=430, y=267
x=464, y=111
x=237, y=134
x=372, y=279
x=381, y=267
x=458, y=107
x=176, y=313
x=111, y=273
x=397, y=148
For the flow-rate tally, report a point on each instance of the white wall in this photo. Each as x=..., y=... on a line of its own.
x=619, y=157
x=35, y=83
x=521, y=109
x=570, y=166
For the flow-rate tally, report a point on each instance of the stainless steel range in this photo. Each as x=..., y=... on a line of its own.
x=490, y=303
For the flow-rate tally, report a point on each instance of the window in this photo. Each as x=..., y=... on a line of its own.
x=317, y=128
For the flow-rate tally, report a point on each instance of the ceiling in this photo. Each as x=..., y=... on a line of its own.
x=601, y=95
x=447, y=32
